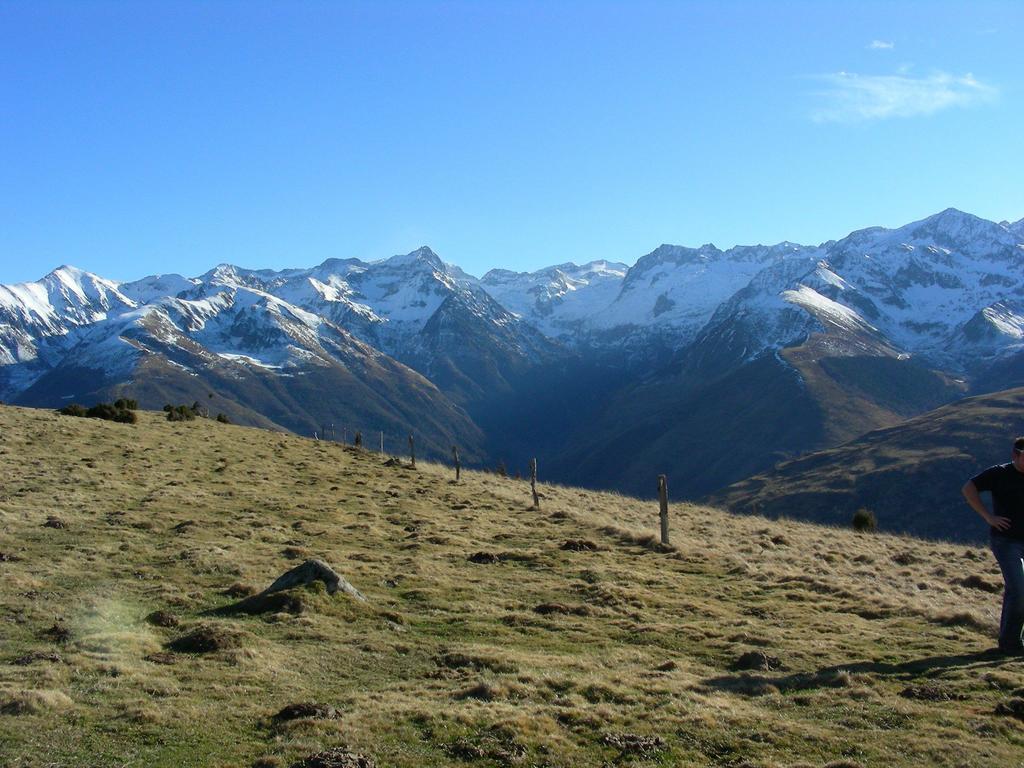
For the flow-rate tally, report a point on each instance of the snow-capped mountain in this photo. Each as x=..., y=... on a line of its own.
x=65, y=299
x=924, y=289
x=946, y=293
x=558, y=300
x=251, y=354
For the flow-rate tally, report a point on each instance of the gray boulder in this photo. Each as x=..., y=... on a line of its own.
x=310, y=571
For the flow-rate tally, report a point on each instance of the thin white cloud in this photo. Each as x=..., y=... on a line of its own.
x=881, y=45
x=851, y=98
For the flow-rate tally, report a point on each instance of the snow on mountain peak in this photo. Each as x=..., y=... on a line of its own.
x=421, y=256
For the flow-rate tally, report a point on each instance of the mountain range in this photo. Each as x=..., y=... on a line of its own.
x=706, y=365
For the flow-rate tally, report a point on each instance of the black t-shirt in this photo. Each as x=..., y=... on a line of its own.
x=1007, y=487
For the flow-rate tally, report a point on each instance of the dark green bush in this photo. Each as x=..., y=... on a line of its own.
x=102, y=411
x=126, y=405
x=223, y=419
x=864, y=520
x=180, y=413
x=124, y=416
x=107, y=411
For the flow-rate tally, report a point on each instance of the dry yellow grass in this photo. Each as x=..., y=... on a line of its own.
x=870, y=647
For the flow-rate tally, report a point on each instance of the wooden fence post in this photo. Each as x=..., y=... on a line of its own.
x=412, y=452
x=533, y=483
x=382, y=442
x=663, y=499
x=358, y=442
x=458, y=466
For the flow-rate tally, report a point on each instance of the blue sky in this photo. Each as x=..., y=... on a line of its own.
x=143, y=137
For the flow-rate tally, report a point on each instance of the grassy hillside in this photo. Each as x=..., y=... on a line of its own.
x=573, y=639
x=910, y=475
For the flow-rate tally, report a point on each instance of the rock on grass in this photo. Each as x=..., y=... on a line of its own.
x=310, y=571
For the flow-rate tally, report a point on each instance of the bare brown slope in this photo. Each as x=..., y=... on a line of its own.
x=909, y=475
x=708, y=432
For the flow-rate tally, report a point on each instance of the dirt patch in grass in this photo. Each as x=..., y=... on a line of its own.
x=547, y=609
x=339, y=757
x=55, y=522
x=459, y=660
x=931, y=692
x=758, y=660
x=634, y=745
x=206, y=639
x=307, y=710
x=238, y=590
x=977, y=582
x=289, y=601
x=905, y=558
x=162, y=619
x=484, y=558
x=161, y=658
x=497, y=744
x=31, y=658
x=58, y=633
x=483, y=691
x=579, y=545
x=33, y=702
x=961, y=619
x=1012, y=708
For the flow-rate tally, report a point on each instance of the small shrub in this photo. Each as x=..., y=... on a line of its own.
x=74, y=409
x=223, y=419
x=864, y=521
x=124, y=416
x=502, y=470
x=126, y=405
x=180, y=413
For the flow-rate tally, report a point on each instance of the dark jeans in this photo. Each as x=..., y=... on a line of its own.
x=1010, y=556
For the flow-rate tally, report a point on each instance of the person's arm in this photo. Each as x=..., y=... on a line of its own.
x=973, y=497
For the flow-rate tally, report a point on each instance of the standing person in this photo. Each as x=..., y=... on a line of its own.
x=1006, y=484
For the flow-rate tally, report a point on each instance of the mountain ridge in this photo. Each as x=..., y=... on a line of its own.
x=935, y=307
